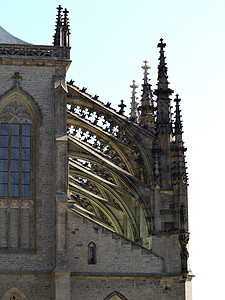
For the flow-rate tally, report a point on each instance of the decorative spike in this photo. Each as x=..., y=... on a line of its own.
x=178, y=123
x=58, y=30
x=84, y=90
x=71, y=82
x=66, y=19
x=96, y=97
x=147, y=116
x=66, y=31
x=122, y=106
x=108, y=104
x=134, y=110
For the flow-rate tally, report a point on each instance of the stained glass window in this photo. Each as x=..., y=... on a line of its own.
x=15, y=153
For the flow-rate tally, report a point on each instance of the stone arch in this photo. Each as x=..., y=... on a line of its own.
x=24, y=98
x=115, y=296
x=14, y=294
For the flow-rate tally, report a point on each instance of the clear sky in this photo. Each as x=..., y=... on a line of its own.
x=110, y=40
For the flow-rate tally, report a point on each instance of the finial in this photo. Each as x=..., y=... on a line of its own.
x=146, y=68
x=122, y=106
x=147, y=116
x=178, y=123
x=66, y=31
x=134, y=110
x=161, y=45
x=58, y=30
x=163, y=91
x=66, y=19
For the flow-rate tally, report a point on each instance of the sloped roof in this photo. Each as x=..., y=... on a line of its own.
x=7, y=38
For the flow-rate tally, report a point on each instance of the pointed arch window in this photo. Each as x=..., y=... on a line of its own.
x=14, y=294
x=15, y=152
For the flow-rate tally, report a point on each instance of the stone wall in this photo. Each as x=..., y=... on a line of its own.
x=37, y=81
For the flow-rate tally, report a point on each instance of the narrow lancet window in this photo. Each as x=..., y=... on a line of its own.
x=92, y=253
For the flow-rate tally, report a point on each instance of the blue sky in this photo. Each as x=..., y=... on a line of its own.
x=110, y=40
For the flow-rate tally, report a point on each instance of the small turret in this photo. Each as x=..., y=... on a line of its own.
x=147, y=116
x=61, y=37
x=59, y=28
x=134, y=110
x=66, y=31
x=179, y=175
x=178, y=123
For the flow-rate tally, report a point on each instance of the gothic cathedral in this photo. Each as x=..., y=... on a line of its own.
x=93, y=204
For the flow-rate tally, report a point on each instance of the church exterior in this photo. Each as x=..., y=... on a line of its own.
x=93, y=204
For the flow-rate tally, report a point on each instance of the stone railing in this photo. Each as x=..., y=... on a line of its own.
x=49, y=52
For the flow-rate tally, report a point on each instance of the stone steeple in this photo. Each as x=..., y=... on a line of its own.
x=147, y=117
x=163, y=92
x=164, y=122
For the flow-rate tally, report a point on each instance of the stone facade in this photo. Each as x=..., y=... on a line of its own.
x=93, y=204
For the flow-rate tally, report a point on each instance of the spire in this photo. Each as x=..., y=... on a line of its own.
x=61, y=37
x=163, y=90
x=134, y=111
x=178, y=123
x=164, y=123
x=164, y=128
x=147, y=117
x=66, y=31
x=58, y=29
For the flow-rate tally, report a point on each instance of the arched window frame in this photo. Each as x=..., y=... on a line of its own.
x=14, y=209
x=14, y=294
x=27, y=112
x=92, y=253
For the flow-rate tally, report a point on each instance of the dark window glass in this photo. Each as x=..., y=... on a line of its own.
x=14, y=190
x=25, y=142
x=26, y=129
x=14, y=177
x=4, y=141
x=4, y=165
x=25, y=178
x=15, y=129
x=3, y=177
x=15, y=141
x=14, y=165
x=4, y=128
x=3, y=190
x=15, y=153
x=25, y=166
x=15, y=158
x=26, y=154
x=25, y=190
x=4, y=153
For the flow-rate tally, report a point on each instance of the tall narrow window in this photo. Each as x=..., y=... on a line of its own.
x=15, y=153
x=92, y=253
x=16, y=198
